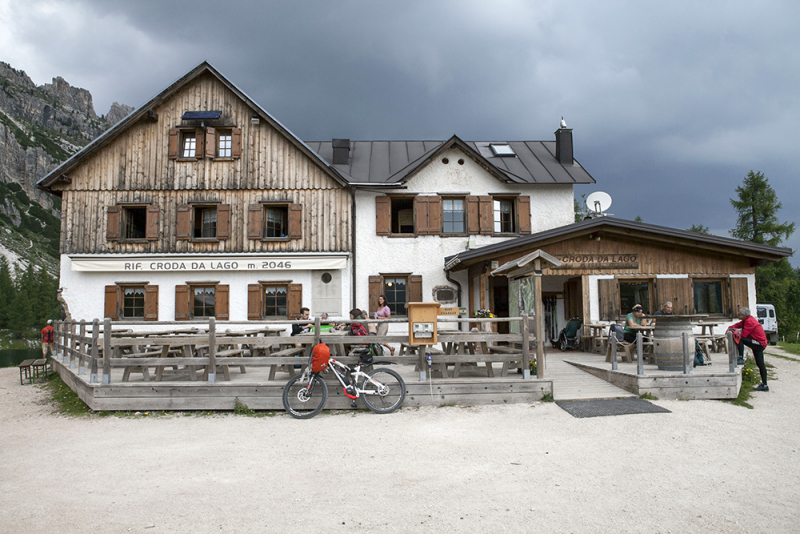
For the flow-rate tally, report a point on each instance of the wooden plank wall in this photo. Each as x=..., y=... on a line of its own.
x=326, y=215
x=135, y=167
x=654, y=258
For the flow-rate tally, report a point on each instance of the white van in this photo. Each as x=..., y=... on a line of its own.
x=765, y=313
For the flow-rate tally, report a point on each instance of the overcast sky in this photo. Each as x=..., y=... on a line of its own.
x=672, y=103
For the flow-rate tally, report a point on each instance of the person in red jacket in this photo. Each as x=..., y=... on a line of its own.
x=47, y=340
x=752, y=335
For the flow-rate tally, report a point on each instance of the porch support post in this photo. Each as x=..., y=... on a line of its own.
x=212, y=350
x=639, y=355
x=107, y=351
x=95, y=351
x=537, y=290
x=526, y=356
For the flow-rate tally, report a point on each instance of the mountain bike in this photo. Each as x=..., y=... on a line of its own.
x=382, y=390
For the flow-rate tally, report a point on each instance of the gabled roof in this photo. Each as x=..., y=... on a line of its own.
x=139, y=113
x=396, y=162
x=610, y=226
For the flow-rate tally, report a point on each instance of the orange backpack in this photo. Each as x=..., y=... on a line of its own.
x=319, y=358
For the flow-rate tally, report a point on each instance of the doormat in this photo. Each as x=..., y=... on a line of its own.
x=605, y=407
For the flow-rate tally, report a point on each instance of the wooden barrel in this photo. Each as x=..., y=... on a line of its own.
x=668, y=341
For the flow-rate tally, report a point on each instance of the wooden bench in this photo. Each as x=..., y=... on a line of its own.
x=26, y=371
x=293, y=351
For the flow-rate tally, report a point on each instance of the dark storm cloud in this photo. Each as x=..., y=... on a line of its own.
x=672, y=103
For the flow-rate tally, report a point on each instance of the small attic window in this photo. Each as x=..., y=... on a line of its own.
x=502, y=150
x=201, y=115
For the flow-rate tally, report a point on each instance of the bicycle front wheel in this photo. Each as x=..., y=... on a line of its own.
x=383, y=391
x=304, y=400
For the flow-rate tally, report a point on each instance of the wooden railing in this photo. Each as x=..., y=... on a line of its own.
x=84, y=345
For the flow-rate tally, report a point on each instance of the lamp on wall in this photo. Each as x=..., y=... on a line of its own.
x=255, y=119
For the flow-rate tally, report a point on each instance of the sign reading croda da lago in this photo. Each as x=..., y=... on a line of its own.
x=598, y=261
x=206, y=263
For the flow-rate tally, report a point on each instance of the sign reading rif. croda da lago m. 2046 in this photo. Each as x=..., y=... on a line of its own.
x=206, y=263
x=598, y=261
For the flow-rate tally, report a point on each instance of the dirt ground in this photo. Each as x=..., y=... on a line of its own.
x=708, y=467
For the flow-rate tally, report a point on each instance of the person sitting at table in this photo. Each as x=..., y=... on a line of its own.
x=633, y=320
x=666, y=309
x=750, y=332
x=305, y=314
x=357, y=329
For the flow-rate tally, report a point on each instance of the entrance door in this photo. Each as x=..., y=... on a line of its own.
x=500, y=301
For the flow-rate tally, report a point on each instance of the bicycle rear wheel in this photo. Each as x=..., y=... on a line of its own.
x=387, y=395
x=304, y=400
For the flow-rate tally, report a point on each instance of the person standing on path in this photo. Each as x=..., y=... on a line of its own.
x=47, y=340
x=752, y=335
x=383, y=312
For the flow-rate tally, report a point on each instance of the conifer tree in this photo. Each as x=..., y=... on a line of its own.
x=757, y=209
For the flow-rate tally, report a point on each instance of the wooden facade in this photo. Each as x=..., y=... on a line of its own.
x=135, y=167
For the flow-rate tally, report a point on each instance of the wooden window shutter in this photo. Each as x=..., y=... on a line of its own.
x=295, y=221
x=375, y=284
x=211, y=142
x=473, y=215
x=174, y=140
x=113, y=224
x=200, y=137
x=486, y=215
x=221, y=302
x=223, y=221
x=111, y=304
x=255, y=214
x=524, y=210
x=421, y=215
x=608, y=293
x=294, y=301
x=415, y=288
x=254, y=302
x=184, y=223
x=236, y=143
x=679, y=291
x=383, y=215
x=152, y=223
x=182, y=295
x=150, y=303
x=739, y=296
x=434, y=215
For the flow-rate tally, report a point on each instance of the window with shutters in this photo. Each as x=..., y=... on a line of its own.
x=134, y=223
x=453, y=216
x=205, y=222
x=202, y=300
x=398, y=288
x=188, y=143
x=274, y=300
x=275, y=221
x=132, y=302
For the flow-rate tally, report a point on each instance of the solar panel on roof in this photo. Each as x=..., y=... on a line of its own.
x=201, y=115
x=502, y=150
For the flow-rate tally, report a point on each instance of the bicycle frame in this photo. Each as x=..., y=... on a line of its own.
x=340, y=370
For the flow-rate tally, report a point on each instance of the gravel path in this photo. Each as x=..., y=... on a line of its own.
x=706, y=467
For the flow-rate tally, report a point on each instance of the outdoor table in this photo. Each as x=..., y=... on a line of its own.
x=597, y=335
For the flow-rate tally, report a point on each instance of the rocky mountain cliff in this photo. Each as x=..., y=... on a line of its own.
x=40, y=127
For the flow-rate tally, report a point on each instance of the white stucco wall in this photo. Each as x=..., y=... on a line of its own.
x=551, y=206
x=85, y=294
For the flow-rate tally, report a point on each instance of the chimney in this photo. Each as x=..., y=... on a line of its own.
x=564, y=144
x=341, y=151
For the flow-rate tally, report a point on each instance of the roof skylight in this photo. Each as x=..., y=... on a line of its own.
x=502, y=150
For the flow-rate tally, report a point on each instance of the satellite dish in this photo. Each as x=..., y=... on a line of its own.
x=598, y=202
